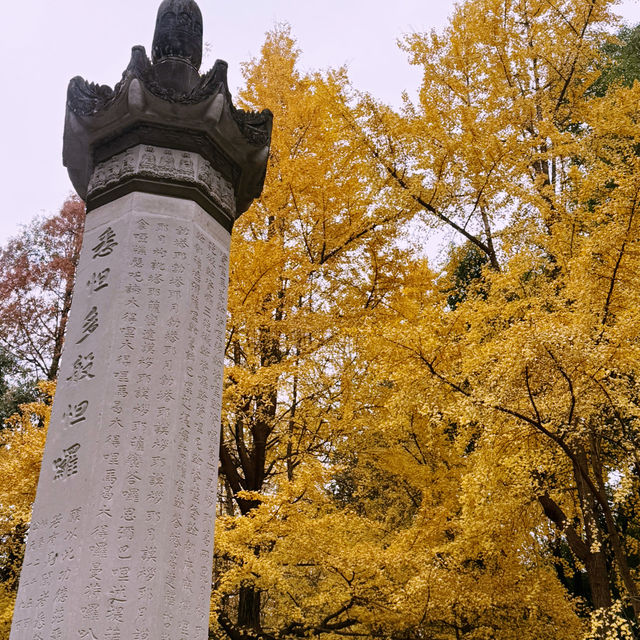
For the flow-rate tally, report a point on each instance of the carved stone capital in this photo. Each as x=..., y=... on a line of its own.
x=163, y=171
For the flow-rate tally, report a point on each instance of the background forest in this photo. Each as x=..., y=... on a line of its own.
x=412, y=449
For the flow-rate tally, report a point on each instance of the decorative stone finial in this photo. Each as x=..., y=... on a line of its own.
x=168, y=106
x=178, y=32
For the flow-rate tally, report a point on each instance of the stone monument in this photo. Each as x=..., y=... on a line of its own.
x=121, y=540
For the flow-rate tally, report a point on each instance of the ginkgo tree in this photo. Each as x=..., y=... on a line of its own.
x=21, y=447
x=320, y=229
x=510, y=146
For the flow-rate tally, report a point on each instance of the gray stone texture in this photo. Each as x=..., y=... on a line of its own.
x=121, y=543
x=146, y=161
x=168, y=104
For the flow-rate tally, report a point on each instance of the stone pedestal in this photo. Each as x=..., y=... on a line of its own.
x=121, y=541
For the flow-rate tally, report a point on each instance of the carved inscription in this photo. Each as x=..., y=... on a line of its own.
x=107, y=243
x=85, y=370
x=172, y=295
x=66, y=465
x=82, y=368
x=99, y=280
x=138, y=406
x=89, y=325
x=76, y=413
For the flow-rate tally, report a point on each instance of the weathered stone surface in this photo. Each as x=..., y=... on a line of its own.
x=178, y=32
x=121, y=542
x=148, y=168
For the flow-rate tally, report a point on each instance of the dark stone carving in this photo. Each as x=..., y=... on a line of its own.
x=178, y=32
x=164, y=172
x=168, y=103
x=88, y=97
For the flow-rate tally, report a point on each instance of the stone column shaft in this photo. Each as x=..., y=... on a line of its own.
x=120, y=547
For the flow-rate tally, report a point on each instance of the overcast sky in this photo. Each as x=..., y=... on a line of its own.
x=45, y=43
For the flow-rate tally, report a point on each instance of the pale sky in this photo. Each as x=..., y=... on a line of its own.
x=45, y=43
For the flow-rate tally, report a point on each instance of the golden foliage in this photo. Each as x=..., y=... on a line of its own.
x=486, y=442
x=414, y=451
x=21, y=446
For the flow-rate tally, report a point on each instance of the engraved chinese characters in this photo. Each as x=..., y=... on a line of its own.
x=51, y=563
x=134, y=434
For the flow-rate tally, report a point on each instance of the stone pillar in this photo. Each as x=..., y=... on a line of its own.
x=121, y=541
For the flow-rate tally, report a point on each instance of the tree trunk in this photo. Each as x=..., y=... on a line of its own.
x=598, y=576
x=62, y=327
x=595, y=562
x=615, y=539
x=249, y=608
